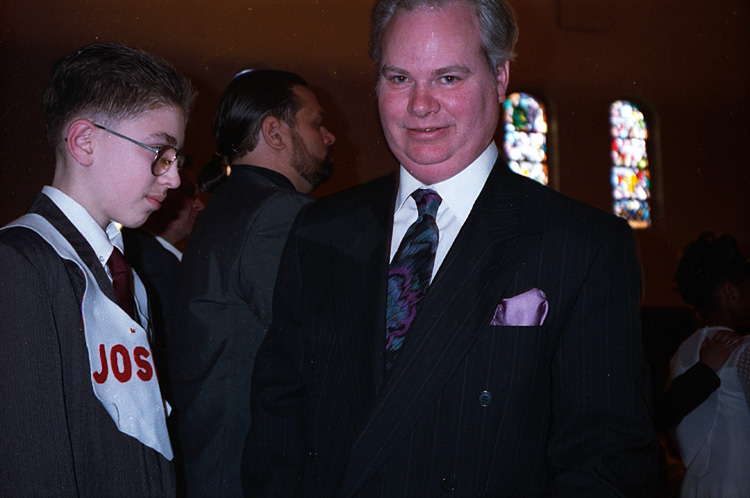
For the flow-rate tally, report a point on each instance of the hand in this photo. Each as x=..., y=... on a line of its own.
x=716, y=351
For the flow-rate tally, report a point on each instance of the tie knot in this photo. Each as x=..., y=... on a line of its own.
x=427, y=201
x=116, y=263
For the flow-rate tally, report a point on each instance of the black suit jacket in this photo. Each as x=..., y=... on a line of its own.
x=57, y=438
x=222, y=309
x=157, y=267
x=470, y=408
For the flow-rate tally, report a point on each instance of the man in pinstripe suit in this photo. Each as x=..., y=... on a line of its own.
x=522, y=371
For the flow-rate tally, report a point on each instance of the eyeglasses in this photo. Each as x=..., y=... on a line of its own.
x=165, y=156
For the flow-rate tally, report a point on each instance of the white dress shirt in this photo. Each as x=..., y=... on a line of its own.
x=458, y=193
x=101, y=241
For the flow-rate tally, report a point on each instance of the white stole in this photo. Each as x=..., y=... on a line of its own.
x=123, y=375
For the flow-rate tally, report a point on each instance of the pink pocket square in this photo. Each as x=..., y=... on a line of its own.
x=525, y=310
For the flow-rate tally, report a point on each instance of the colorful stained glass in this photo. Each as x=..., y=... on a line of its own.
x=630, y=179
x=526, y=136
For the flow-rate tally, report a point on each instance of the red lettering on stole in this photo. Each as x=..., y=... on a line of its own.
x=101, y=377
x=127, y=369
x=145, y=370
x=124, y=374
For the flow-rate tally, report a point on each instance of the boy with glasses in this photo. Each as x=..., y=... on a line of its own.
x=82, y=413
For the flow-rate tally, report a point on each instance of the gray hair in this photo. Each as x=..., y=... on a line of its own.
x=497, y=22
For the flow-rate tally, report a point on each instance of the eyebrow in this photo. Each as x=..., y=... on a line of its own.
x=455, y=68
x=165, y=138
x=388, y=68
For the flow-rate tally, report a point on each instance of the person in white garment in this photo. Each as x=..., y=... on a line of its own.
x=714, y=439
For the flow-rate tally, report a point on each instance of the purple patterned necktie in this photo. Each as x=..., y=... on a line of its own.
x=410, y=272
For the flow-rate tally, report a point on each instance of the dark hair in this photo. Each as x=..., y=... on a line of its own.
x=706, y=263
x=249, y=98
x=497, y=22
x=110, y=82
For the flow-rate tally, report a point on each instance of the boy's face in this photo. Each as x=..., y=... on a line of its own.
x=126, y=190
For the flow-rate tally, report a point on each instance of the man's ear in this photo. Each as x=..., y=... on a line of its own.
x=503, y=77
x=79, y=141
x=274, y=132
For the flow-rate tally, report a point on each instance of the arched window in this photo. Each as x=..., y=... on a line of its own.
x=630, y=177
x=525, y=141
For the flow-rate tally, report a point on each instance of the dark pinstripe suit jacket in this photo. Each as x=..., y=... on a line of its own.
x=567, y=411
x=57, y=439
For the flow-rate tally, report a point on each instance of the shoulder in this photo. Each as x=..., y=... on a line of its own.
x=24, y=245
x=279, y=208
x=248, y=192
x=287, y=199
x=569, y=217
x=688, y=351
x=349, y=202
x=34, y=266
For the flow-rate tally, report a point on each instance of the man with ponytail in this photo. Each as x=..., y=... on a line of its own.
x=271, y=150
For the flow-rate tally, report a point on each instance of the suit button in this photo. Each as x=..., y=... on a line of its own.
x=448, y=484
x=312, y=454
x=485, y=398
x=313, y=363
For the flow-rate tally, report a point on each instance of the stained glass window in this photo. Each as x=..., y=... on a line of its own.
x=525, y=142
x=631, y=182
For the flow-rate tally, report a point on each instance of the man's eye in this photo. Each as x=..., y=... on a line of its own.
x=399, y=79
x=450, y=79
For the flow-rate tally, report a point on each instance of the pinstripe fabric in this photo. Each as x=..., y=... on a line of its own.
x=563, y=407
x=58, y=440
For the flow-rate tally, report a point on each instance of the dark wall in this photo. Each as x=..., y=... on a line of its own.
x=688, y=61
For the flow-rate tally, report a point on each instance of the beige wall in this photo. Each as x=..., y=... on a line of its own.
x=689, y=60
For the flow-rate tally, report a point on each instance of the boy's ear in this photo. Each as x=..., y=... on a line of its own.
x=273, y=132
x=79, y=141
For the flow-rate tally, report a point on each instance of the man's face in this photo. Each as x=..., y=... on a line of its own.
x=439, y=102
x=125, y=190
x=311, y=141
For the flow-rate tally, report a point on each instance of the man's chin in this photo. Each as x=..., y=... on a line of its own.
x=322, y=174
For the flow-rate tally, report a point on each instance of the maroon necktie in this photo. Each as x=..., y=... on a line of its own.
x=122, y=281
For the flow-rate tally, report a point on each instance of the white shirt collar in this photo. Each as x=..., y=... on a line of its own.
x=98, y=239
x=169, y=247
x=458, y=192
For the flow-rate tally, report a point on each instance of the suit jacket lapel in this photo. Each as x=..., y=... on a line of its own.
x=360, y=281
x=44, y=206
x=462, y=299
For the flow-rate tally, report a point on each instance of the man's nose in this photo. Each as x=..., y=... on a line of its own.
x=422, y=102
x=328, y=137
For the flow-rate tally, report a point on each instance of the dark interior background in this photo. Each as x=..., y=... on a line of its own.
x=687, y=61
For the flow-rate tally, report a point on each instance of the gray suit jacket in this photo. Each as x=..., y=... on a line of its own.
x=57, y=438
x=223, y=308
x=471, y=408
